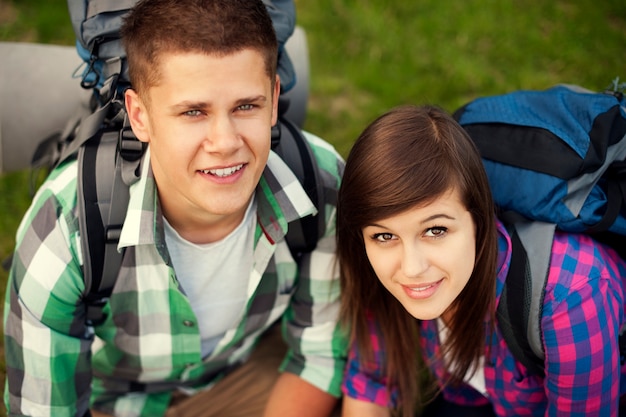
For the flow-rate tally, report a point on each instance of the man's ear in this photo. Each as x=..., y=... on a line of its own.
x=275, y=96
x=137, y=115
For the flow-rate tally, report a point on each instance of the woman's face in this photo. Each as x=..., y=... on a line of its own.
x=425, y=255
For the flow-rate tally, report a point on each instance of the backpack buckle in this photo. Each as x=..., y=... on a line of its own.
x=94, y=311
x=112, y=234
x=84, y=83
x=131, y=148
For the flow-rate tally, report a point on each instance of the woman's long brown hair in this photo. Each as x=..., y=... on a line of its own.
x=407, y=158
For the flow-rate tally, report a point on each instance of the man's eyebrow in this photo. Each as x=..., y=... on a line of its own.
x=192, y=104
x=252, y=99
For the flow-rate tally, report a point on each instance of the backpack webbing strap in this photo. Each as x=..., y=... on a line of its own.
x=511, y=321
x=524, y=289
x=103, y=202
x=93, y=239
x=616, y=195
x=291, y=145
x=88, y=126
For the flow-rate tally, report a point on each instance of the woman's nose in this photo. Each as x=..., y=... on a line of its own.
x=414, y=261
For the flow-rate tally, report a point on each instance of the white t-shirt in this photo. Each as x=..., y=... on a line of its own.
x=477, y=381
x=215, y=276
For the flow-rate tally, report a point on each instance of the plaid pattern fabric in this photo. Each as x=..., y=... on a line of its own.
x=582, y=314
x=150, y=343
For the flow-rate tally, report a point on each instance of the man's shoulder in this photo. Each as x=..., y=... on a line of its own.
x=327, y=157
x=52, y=211
x=60, y=186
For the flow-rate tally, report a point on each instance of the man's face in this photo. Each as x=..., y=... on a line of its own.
x=208, y=122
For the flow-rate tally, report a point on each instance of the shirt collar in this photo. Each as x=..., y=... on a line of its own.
x=280, y=200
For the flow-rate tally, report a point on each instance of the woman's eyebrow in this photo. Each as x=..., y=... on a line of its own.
x=437, y=216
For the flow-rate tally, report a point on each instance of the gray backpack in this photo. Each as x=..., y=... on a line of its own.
x=95, y=131
x=97, y=22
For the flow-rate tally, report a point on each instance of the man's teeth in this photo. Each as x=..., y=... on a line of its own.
x=223, y=172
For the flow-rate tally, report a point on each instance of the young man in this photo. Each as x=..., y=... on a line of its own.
x=206, y=270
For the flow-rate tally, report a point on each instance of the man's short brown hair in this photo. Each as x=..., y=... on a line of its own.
x=212, y=27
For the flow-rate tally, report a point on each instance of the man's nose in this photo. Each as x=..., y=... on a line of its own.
x=221, y=135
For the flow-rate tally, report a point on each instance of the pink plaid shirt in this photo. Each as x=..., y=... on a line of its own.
x=582, y=314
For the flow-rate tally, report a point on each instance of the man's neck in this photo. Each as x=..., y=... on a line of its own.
x=204, y=229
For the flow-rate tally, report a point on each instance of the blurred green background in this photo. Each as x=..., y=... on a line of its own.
x=370, y=55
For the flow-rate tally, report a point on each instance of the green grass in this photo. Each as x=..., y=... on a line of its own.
x=370, y=55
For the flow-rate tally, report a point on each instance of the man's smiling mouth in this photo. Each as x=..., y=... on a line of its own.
x=222, y=172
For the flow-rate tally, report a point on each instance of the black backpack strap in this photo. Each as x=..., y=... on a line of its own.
x=89, y=126
x=102, y=204
x=94, y=243
x=290, y=144
x=512, y=322
x=615, y=197
x=521, y=302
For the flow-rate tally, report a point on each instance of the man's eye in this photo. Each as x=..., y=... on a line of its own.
x=246, y=107
x=193, y=113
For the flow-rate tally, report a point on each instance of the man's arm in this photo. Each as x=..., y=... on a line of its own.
x=45, y=339
x=317, y=345
x=293, y=396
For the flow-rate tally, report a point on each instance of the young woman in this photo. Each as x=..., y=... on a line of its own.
x=423, y=261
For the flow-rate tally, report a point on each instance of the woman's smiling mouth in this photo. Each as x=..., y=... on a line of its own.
x=421, y=291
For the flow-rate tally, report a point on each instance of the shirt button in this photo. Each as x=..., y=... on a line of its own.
x=188, y=323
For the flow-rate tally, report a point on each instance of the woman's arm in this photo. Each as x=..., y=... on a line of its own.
x=581, y=321
x=311, y=400
x=357, y=408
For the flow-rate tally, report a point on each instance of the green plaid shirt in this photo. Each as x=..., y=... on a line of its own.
x=150, y=343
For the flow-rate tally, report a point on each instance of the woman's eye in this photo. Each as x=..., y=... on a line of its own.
x=383, y=237
x=436, y=231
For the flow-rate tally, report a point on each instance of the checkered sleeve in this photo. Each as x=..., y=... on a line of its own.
x=583, y=310
x=46, y=346
x=364, y=379
x=317, y=345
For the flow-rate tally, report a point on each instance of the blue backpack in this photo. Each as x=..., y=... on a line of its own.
x=556, y=160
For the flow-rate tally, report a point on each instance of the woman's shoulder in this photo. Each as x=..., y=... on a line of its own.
x=582, y=254
x=578, y=260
